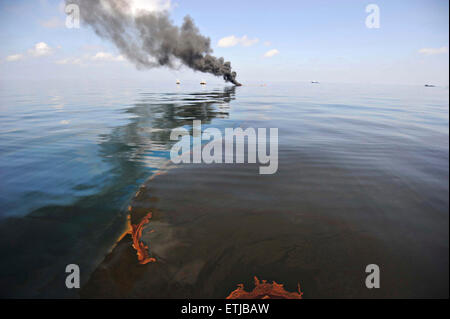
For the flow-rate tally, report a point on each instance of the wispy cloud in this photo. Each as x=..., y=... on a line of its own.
x=40, y=49
x=271, y=53
x=89, y=59
x=105, y=56
x=14, y=57
x=232, y=41
x=433, y=51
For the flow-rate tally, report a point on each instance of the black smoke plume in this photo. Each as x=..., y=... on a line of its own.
x=150, y=39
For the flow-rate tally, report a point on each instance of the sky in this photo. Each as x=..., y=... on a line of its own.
x=265, y=40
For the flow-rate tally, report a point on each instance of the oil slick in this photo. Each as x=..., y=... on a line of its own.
x=141, y=248
x=264, y=290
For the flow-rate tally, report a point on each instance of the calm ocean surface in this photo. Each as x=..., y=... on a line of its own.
x=375, y=158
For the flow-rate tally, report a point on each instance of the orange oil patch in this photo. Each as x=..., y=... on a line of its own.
x=264, y=290
x=141, y=248
x=136, y=230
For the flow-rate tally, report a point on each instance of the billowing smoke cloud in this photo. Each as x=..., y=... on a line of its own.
x=150, y=39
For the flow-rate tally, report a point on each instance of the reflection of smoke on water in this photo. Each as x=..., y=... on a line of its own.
x=37, y=247
x=146, y=139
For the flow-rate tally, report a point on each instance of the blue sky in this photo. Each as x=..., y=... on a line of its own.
x=310, y=40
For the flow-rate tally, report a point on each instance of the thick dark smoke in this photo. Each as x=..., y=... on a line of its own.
x=150, y=39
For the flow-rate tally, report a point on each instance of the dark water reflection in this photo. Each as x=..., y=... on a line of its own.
x=44, y=233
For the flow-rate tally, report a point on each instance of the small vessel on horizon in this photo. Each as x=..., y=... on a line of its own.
x=178, y=82
x=430, y=85
x=203, y=82
x=315, y=82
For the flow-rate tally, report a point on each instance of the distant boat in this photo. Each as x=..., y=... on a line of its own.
x=315, y=82
x=178, y=82
x=430, y=85
x=203, y=82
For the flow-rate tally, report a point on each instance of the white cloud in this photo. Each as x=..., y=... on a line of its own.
x=105, y=56
x=52, y=23
x=227, y=42
x=232, y=41
x=14, y=57
x=271, y=53
x=85, y=59
x=267, y=43
x=40, y=49
x=432, y=51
